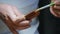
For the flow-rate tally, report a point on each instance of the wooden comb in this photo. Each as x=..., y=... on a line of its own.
x=36, y=12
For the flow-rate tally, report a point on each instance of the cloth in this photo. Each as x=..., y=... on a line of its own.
x=49, y=24
x=25, y=7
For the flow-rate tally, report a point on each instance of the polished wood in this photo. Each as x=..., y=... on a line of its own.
x=32, y=15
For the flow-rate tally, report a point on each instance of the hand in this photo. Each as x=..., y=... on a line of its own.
x=55, y=10
x=14, y=15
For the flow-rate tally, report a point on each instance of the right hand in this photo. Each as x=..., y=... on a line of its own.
x=14, y=15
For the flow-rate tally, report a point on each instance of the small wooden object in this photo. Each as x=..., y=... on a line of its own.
x=29, y=16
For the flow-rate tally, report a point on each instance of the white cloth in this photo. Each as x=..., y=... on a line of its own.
x=25, y=7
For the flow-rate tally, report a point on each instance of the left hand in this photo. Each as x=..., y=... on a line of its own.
x=18, y=19
x=55, y=10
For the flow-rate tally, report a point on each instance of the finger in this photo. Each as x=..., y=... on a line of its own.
x=7, y=10
x=16, y=11
x=3, y=14
x=23, y=23
x=56, y=7
x=55, y=12
x=19, y=15
x=10, y=13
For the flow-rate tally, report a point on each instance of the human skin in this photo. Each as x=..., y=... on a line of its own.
x=14, y=14
x=55, y=9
